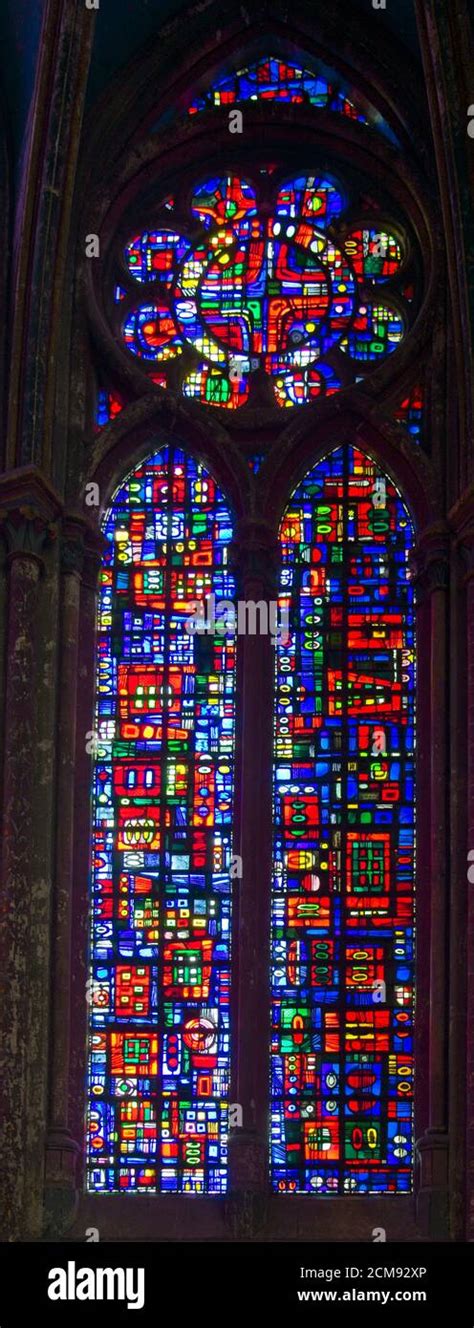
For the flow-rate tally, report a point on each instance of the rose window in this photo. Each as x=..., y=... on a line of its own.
x=285, y=289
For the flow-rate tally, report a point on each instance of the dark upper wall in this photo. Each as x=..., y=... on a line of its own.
x=20, y=32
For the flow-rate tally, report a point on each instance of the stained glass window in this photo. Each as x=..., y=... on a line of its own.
x=290, y=290
x=256, y=461
x=162, y=839
x=273, y=80
x=343, y=908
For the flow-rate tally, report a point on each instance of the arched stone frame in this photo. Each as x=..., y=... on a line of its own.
x=71, y=422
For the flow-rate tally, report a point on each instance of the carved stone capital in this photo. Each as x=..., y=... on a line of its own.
x=29, y=510
x=94, y=548
x=435, y=576
x=81, y=549
x=26, y=532
x=430, y=562
x=465, y=548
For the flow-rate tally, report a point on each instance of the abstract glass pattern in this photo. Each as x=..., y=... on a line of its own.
x=109, y=404
x=295, y=295
x=344, y=839
x=410, y=413
x=273, y=80
x=162, y=831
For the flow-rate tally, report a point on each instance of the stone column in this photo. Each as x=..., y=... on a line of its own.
x=25, y=532
x=432, y=582
x=62, y=1150
x=255, y=558
x=463, y=519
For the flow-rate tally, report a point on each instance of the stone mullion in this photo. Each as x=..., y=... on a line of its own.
x=256, y=561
